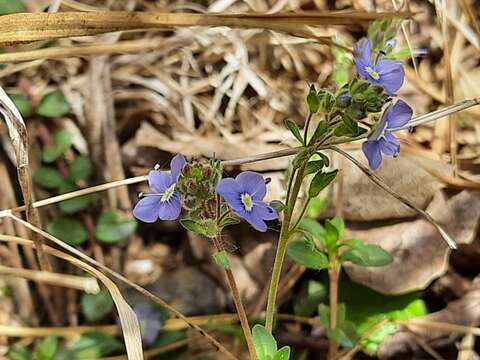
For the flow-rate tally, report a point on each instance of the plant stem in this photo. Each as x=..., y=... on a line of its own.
x=334, y=275
x=232, y=284
x=282, y=247
x=307, y=124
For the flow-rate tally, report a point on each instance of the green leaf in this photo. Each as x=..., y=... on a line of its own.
x=313, y=100
x=265, y=343
x=320, y=131
x=62, y=141
x=307, y=305
x=316, y=207
x=315, y=229
x=19, y=352
x=207, y=227
x=54, y=105
x=69, y=230
x=294, y=130
x=166, y=338
x=324, y=315
x=48, y=178
x=345, y=334
x=96, y=306
x=282, y=354
x=111, y=229
x=367, y=255
x=221, y=259
x=320, y=181
x=22, y=103
x=93, y=345
x=305, y=254
x=228, y=220
x=313, y=167
x=81, y=168
x=332, y=235
x=11, y=6
x=327, y=101
x=47, y=348
x=339, y=224
x=75, y=204
x=277, y=205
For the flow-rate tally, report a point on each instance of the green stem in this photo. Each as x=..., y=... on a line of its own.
x=307, y=124
x=334, y=275
x=282, y=247
x=300, y=217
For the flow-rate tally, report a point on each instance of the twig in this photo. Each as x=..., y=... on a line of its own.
x=86, y=284
x=451, y=243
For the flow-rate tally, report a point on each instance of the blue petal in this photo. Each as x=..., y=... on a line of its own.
x=363, y=57
x=371, y=149
x=170, y=210
x=391, y=75
x=398, y=115
x=231, y=191
x=264, y=211
x=252, y=183
x=176, y=166
x=159, y=181
x=253, y=219
x=147, y=208
x=389, y=145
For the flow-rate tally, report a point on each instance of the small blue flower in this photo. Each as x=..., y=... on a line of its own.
x=149, y=320
x=244, y=195
x=164, y=201
x=381, y=140
x=388, y=73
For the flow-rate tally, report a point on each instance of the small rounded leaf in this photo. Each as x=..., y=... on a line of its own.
x=54, y=105
x=71, y=231
x=305, y=254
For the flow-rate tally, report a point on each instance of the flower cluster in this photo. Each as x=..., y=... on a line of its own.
x=194, y=186
x=390, y=75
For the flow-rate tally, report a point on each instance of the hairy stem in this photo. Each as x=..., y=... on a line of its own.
x=334, y=275
x=282, y=246
x=307, y=124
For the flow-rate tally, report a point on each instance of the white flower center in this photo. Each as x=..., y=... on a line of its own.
x=247, y=201
x=372, y=73
x=168, y=193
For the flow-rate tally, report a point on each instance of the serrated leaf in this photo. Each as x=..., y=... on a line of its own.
x=71, y=231
x=75, y=204
x=207, y=227
x=265, y=343
x=62, y=142
x=96, y=306
x=320, y=181
x=11, y=6
x=22, y=103
x=221, y=259
x=293, y=127
x=80, y=169
x=282, y=354
x=48, y=178
x=367, y=255
x=111, y=229
x=54, y=105
x=47, y=348
x=305, y=254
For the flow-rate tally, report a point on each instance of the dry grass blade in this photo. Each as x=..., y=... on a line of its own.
x=88, y=285
x=128, y=319
x=18, y=134
x=451, y=243
x=140, y=289
x=26, y=27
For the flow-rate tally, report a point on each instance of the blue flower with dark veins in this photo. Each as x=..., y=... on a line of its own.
x=164, y=202
x=382, y=140
x=244, y=195
x=388, y=73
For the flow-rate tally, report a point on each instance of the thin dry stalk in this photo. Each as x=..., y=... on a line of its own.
x=88, y=285
x=18, y=135
x=26, y=27
x=372, y=176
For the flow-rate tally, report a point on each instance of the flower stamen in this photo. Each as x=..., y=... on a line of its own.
x=168, y=193
x=372, y=73
x=247, y=201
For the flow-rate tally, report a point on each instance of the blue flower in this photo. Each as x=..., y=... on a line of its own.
x=164, y=201
x=388, y=73
x=381, y=140
x=244, y=195
x=149, y=320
